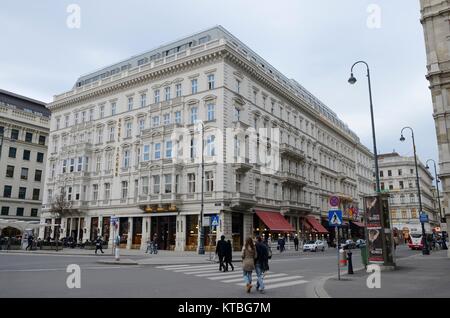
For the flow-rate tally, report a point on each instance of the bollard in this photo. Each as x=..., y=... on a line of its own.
x=117, y=256
x=350, y=265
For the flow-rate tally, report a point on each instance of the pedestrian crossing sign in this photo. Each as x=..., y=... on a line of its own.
x=215, y=220
x=335, y=218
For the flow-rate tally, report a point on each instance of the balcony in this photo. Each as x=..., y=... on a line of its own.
x=80, y=148
x=240, y=200
x=292, y=152
x=295, y=206
x=241, y=165
x=292, y=178
x=239, y=124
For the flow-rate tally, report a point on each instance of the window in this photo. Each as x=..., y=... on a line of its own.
x=381, y=173
x=211, y=81
x=156, y=94
x=5, y=210
x=130, y=103
x=40, y=157
x=402, y=198
x=124, y=189
x=238, y=86
x=36, y=193
x=168, y=149
x=24, y=174
x=411, y=171
x=141, y=124
x=389, y=173
x=109, y=161
x=102, y=111
x=76, y=118
x=210, y=145
x=156, y=121
x=404, y=214
x=412, y=198
x=107, y=191
x=38, y=175
x=166, y=118
x=211, y=112
x=58, y=121
x=144, y=182
x=26, y=155
x=157, y=151
x=238, y=182
x=146, y=153
x=194, y=86
x=382, y=186
x=191, y=182
x=34, y=212
x=72, y=164
x=237, y=113
x=19, y=211
x=83, y=116
x=126, y=158
x=113, y=108
x=14, y=134
x=111, y=133
x=401, y=184
x=95, y=192
x=391, y=187
x=100, y=136
x=10, y=171
x=167, y=183
x=66, y=121
x=98, y=163
x=80, y=163
x=22, y=193
x=177, y=183
x=410, y=185
x=156, y=184
x=143, y=100
x=128, y=130
x=167, y=93
x=12, y=152
x=178, y=117
x=399, y=172
x=42, y=140
x=91, y=114
x=178, y=90
x=266, y=189
x=209, y=176
x=194, y=111
x=257, y=182
x=192, y=148
x=275, y=192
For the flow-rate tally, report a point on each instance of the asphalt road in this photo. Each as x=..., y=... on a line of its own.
x=25, y=275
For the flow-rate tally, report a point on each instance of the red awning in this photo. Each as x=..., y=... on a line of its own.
x=316, y=225
x=358, y=224
x=275, y=221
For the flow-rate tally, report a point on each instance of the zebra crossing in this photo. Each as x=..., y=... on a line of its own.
x=271, y=280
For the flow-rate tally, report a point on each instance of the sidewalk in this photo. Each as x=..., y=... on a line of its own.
x=416, y=277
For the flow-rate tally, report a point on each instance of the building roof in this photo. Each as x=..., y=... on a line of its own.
x=214, y=33
x=24, y=103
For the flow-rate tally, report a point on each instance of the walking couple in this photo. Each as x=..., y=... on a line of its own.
x=255, y=257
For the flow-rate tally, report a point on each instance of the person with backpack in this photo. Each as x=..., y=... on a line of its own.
x=261, y=263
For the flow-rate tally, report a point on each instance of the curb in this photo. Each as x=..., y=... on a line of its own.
x=119, y=262
x=317, y=288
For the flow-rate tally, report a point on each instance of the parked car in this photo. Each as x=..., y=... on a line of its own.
x=360, y=243
x=347, y=244
x=314, y=246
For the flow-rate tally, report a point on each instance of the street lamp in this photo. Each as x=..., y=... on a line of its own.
x=425, y=250
x=352, y=80
x=444, y=246
x=201, y=246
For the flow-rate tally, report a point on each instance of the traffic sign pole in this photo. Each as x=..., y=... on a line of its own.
x=337, y=248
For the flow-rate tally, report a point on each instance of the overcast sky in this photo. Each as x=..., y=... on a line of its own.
x=314, y=42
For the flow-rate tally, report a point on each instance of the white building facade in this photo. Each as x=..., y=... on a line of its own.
x=24, y=131
x=126, y=142
x=398, y=177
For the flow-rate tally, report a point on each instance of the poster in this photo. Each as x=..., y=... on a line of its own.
x=374, y=229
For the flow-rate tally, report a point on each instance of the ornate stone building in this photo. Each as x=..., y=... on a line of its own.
x=126, y=143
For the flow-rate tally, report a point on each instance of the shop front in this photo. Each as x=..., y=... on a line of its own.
x=165, y=229
x=312, y=229
x=271, y=225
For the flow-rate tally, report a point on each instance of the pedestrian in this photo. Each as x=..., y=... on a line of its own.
x=30, y=242
x=248, y=262
x=261, y=263
x=98, y=245
x=296, y=242
x=281, y=242
x=149, y=246
x=154, y=249
x=229, y=256
x=221, y=249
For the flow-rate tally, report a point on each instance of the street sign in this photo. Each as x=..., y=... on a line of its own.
x=215, y=220
x=206, y=221
x=423, y=217
x=335, y=218
x=334, y=201
x=444, y=227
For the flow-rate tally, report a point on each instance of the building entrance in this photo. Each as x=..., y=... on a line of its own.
x=165, y=229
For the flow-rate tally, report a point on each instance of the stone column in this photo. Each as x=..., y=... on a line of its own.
x=87, y=224
x=78, y=229
x=247, y=226
x=224, y=227
x=130, y=233
x=100, y=225
x=180, y=242
x=145, y=234
x=112, y=231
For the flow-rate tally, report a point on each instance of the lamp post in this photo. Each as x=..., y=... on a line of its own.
x=352, y=80
x=425, y=250
x=444, y=245
x=201, y=246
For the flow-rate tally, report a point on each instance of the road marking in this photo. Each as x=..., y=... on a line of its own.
x=240, y=279
x=285, y=284
x=225, y=277
x=172, y=266
x=200, y=271
x=217, y=273
x=278, y=279
x=190, y=269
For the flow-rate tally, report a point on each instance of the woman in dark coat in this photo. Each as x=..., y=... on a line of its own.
x=229, y=256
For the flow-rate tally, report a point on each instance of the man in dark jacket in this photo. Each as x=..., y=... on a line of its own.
x=229, y=256
x=98, y=245
x=296, y=243
x=221, y=250
x=261, y=263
